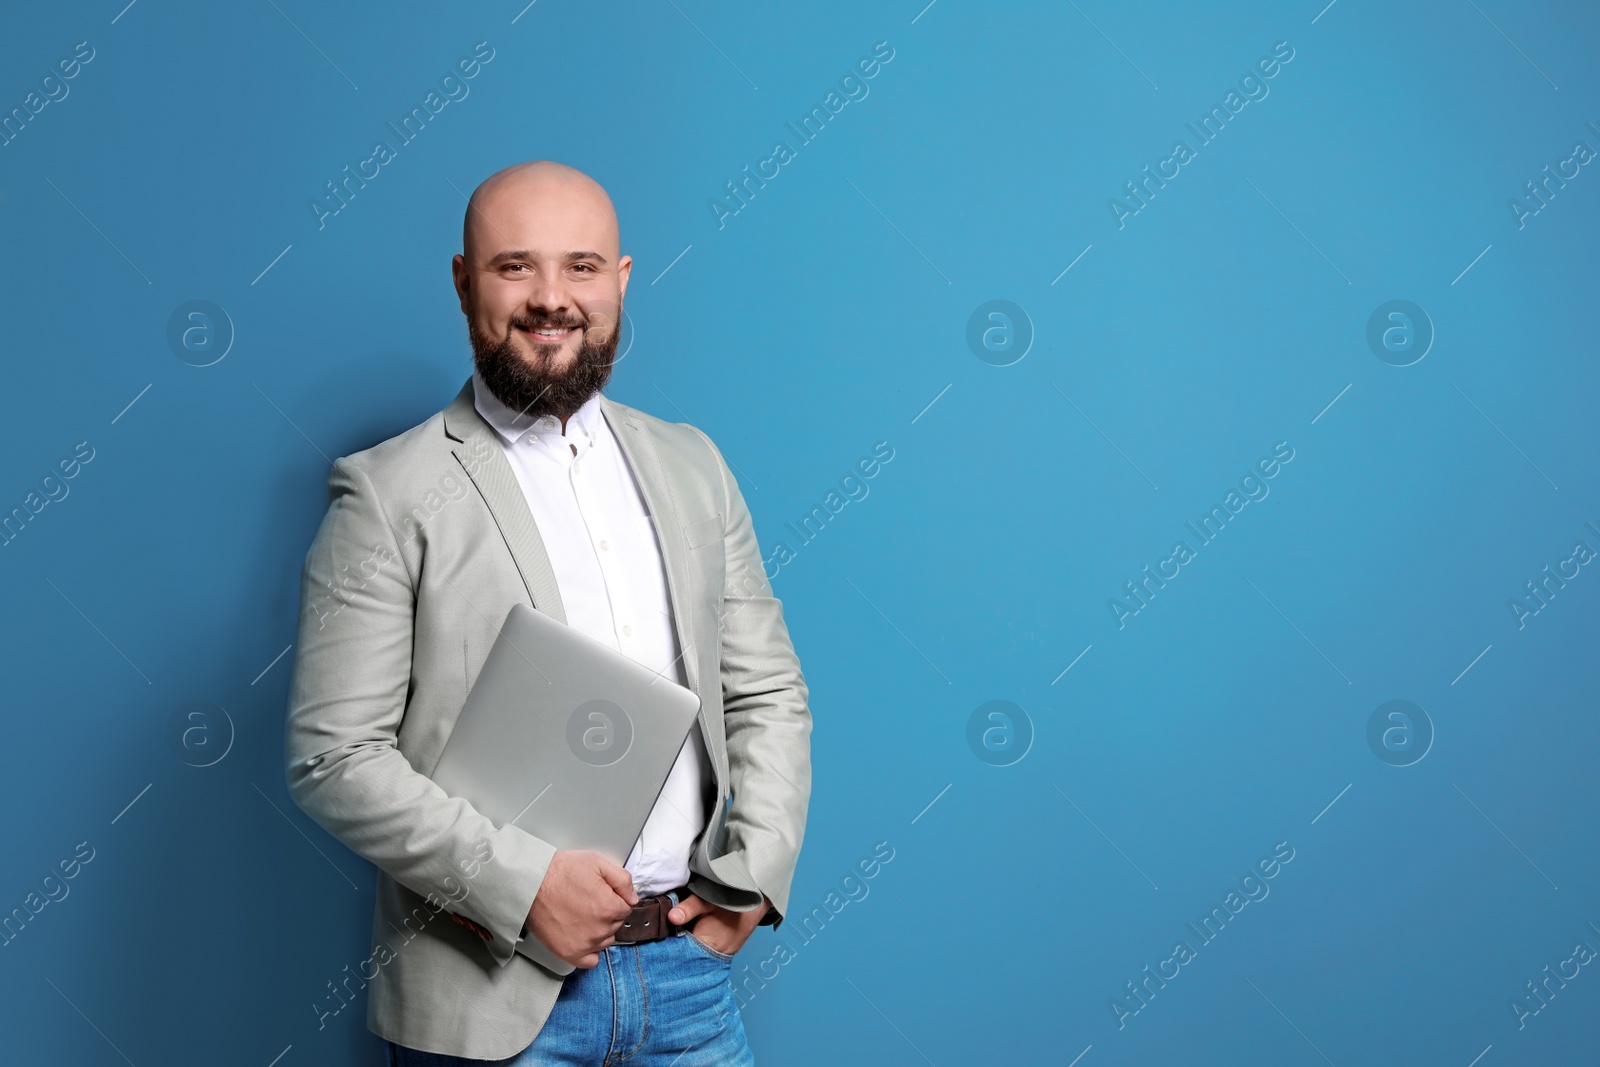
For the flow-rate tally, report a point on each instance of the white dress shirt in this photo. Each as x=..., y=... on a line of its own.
x=602, y=545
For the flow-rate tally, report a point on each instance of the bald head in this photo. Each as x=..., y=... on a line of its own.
x=544, y=196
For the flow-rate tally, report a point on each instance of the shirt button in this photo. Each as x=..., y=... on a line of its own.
x=605, y=546
x=627, y=631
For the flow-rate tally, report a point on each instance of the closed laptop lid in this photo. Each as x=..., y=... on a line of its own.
x=565, y=737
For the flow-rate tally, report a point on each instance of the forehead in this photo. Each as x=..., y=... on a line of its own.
x=550, y=218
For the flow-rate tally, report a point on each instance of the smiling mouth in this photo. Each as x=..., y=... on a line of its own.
x=548, y=335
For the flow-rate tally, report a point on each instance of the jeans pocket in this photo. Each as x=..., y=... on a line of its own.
x=720, y=957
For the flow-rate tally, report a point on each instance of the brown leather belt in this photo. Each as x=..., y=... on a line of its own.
x=648, y=920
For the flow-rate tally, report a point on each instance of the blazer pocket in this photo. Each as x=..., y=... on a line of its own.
x=703, y=532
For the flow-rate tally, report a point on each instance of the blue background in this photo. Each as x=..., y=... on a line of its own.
x=831, y=313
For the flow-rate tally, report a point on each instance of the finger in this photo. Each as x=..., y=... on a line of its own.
x=586, y=962
x=619, y=880
x=691, y=907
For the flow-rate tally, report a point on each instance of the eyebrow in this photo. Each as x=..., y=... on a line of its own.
x=523, y=253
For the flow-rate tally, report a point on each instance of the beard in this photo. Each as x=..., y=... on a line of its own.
x=536, y=388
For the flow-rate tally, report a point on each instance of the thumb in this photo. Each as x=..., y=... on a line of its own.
x=619, y=880
x=691, y=907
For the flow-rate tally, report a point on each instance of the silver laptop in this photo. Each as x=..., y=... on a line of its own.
x=567, y=738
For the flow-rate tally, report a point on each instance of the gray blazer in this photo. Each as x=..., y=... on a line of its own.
x=427, y=543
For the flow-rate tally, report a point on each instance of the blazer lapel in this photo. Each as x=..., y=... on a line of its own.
x=640, y=451
x=477, y=448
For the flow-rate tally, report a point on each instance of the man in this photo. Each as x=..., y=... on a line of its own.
x=533, y=487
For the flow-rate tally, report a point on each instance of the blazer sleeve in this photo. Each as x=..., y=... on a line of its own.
x=765, y=709
x=352, y=677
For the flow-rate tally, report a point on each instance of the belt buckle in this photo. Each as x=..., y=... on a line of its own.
x=648, y=917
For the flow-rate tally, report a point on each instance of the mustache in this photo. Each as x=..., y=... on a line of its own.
x=545, y=321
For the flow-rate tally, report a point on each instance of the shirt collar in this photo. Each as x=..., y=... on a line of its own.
x=512, y=426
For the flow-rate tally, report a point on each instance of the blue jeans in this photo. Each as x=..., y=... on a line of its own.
x=666, y=1003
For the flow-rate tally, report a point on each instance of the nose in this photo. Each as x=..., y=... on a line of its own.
x=549, y=294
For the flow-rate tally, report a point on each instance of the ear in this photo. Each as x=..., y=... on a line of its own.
x=463, y=282
x=624, y=271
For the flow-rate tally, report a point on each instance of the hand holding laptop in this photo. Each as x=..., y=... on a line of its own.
x=571, y=741
x=580, y=905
